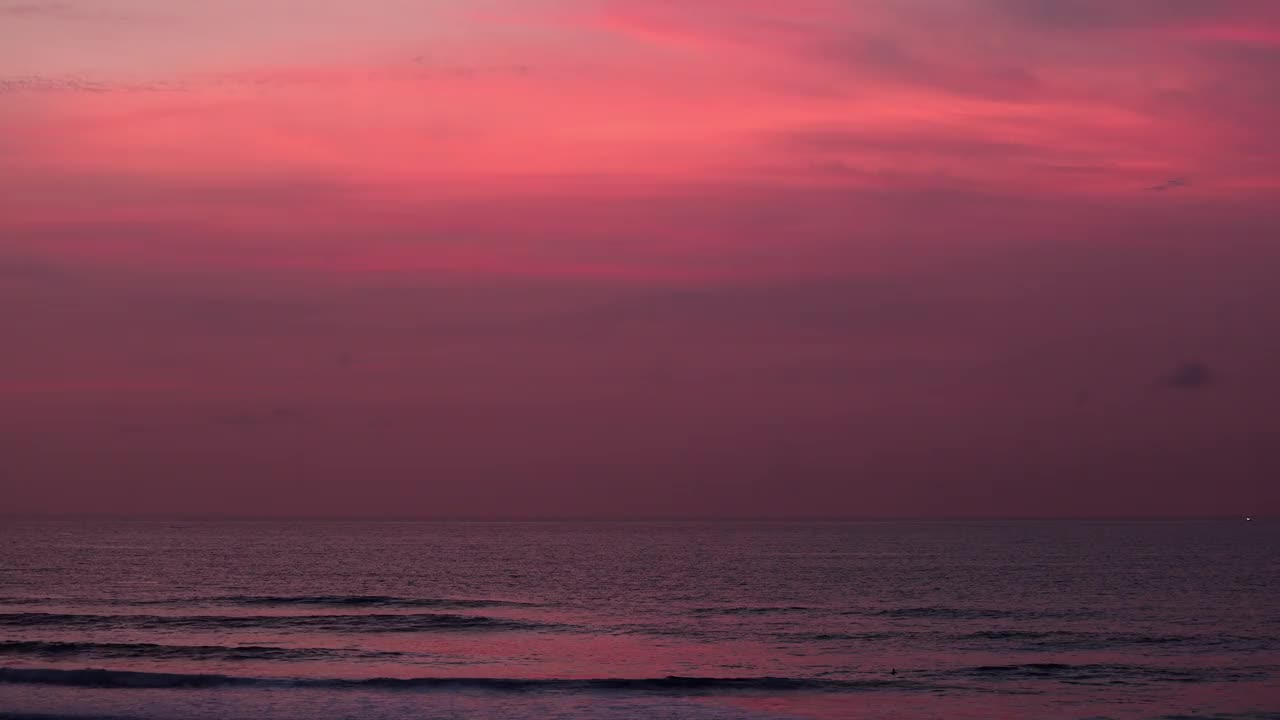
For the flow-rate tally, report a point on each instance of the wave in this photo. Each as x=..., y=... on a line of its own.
x=1077, y=640
x=96, y=678
x=385, y=601
x=949, y=613
x=1111, y=674
x=153, y=651
x=388, y=601
x=48, y=716
x=748, y=610
x=422, y=622
x=1260, y=715
x=843, y=636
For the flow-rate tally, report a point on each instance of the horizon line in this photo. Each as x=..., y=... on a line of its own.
x=605, y=519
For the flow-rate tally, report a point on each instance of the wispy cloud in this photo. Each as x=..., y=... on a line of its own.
x=58, y=11
x=79, y=84
x=249, y=419
x=35, y=9
x=1106, y=15
x=416, y=71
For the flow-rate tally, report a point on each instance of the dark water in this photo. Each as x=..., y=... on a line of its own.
x=453, y=620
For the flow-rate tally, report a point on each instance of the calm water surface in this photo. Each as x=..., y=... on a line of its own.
x=167, y=620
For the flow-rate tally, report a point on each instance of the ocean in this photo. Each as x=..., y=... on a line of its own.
x=760, y=621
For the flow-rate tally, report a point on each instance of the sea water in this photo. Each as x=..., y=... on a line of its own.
x=315, y=620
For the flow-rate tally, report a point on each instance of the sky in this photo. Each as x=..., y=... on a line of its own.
x=640, y=258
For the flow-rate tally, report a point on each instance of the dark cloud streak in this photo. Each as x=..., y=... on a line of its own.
x=1190, y=376
x=1170, y=184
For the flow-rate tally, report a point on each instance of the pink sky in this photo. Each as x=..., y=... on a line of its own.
x=640, y=258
